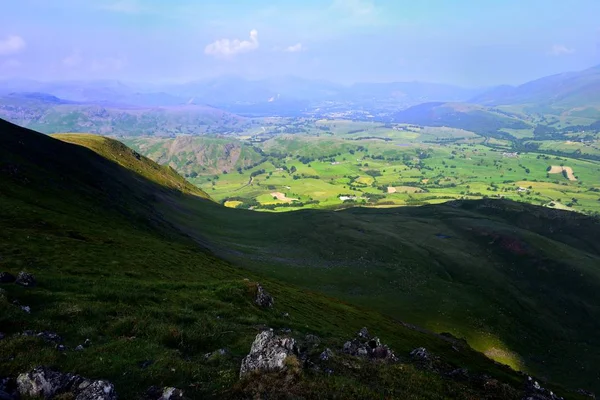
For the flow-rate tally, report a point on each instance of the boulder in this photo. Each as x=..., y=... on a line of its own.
x=312, y=340
x=7, y=277
x=263, y=298
x=166, y=393
x=25, y=279
x=95, y=390
x=534, y=391
x=367, y=346
x=45, y=383
x=268, y=353
x=326, y=355
x=420, y=354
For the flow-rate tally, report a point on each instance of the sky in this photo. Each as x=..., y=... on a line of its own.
x=469, y=43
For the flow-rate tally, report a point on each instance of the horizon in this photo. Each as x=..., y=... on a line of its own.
x=341, y=41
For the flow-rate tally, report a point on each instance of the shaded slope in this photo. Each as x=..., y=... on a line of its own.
x=517, y=281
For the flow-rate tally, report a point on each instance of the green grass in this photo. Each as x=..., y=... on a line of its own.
x=106, y=245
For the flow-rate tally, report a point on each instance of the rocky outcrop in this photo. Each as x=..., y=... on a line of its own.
x=46, y=336
x=25, y=279
x=534, y=391
x=263, y=298
x=7, y=277
x=366, y=346
x=45, y=383
x=268, y=353
x=166, y=393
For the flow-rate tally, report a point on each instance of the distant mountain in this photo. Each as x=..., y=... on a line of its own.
x=50, y=114
x=475, y=118
x=274, y=96
x=566, y=90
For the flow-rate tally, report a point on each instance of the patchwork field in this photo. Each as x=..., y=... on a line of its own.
x=337, y=163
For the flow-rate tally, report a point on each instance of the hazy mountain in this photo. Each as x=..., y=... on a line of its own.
x=566, y=90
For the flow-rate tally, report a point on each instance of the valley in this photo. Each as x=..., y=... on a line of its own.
x=341, y=163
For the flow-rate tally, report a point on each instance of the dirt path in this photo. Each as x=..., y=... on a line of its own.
x=559, y=170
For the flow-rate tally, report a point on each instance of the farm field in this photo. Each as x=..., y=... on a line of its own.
x=337, y=163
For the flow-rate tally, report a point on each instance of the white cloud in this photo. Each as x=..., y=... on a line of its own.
x=123, y=6
x=12, y=44
x=295, y=48
x=72, y=60
x=560, y=50
x=231, y=47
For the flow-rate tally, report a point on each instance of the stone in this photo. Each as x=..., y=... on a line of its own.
x=312, y=339
x=364, y=333
x=45, y=383
x=587, y=393
x=263, y=298
x=61, y=347
x=535, y=391
x=27, y=309
x=87, y=343
x=79, y=348
x=95, y=390
x=25, y=279
x=166, y=393
x=268, y=353
x=420, y=354
x=326, y=355
x=285, y=315
x=7, y=277
x=366, y=346
x=47, y=336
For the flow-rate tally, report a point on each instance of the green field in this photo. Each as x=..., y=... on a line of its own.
x=338, y=163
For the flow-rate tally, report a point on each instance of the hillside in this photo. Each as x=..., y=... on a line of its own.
x=113, y=251
x=562, y=91
x=191, y=155
x=50, y=114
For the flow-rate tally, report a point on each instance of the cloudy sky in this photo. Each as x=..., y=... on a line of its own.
x=465, y=42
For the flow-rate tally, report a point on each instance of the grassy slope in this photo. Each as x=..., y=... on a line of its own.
x=111, y=269
x=518, y=281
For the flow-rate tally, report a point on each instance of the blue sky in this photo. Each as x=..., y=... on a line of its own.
x=464, y=42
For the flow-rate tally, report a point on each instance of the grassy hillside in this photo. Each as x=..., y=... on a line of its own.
x=191, y=155
x=105, y=243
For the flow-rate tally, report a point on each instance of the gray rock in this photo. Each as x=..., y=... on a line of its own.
x=586, y=393
x=312, y=339
x=364, y=333
x=7, y=277
x=47, y=336
x=326, y=355
x=268, y=353
x=95, y=390
x=534, y=391
x=79, y=348
x=46, y=383
x=263, y=298
x=25, y=279
x=27, y=309
x=285, y=315
x=166, y=393
x=420, y=354
x=61, y=347
x=366, y=346
x=87, y=342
